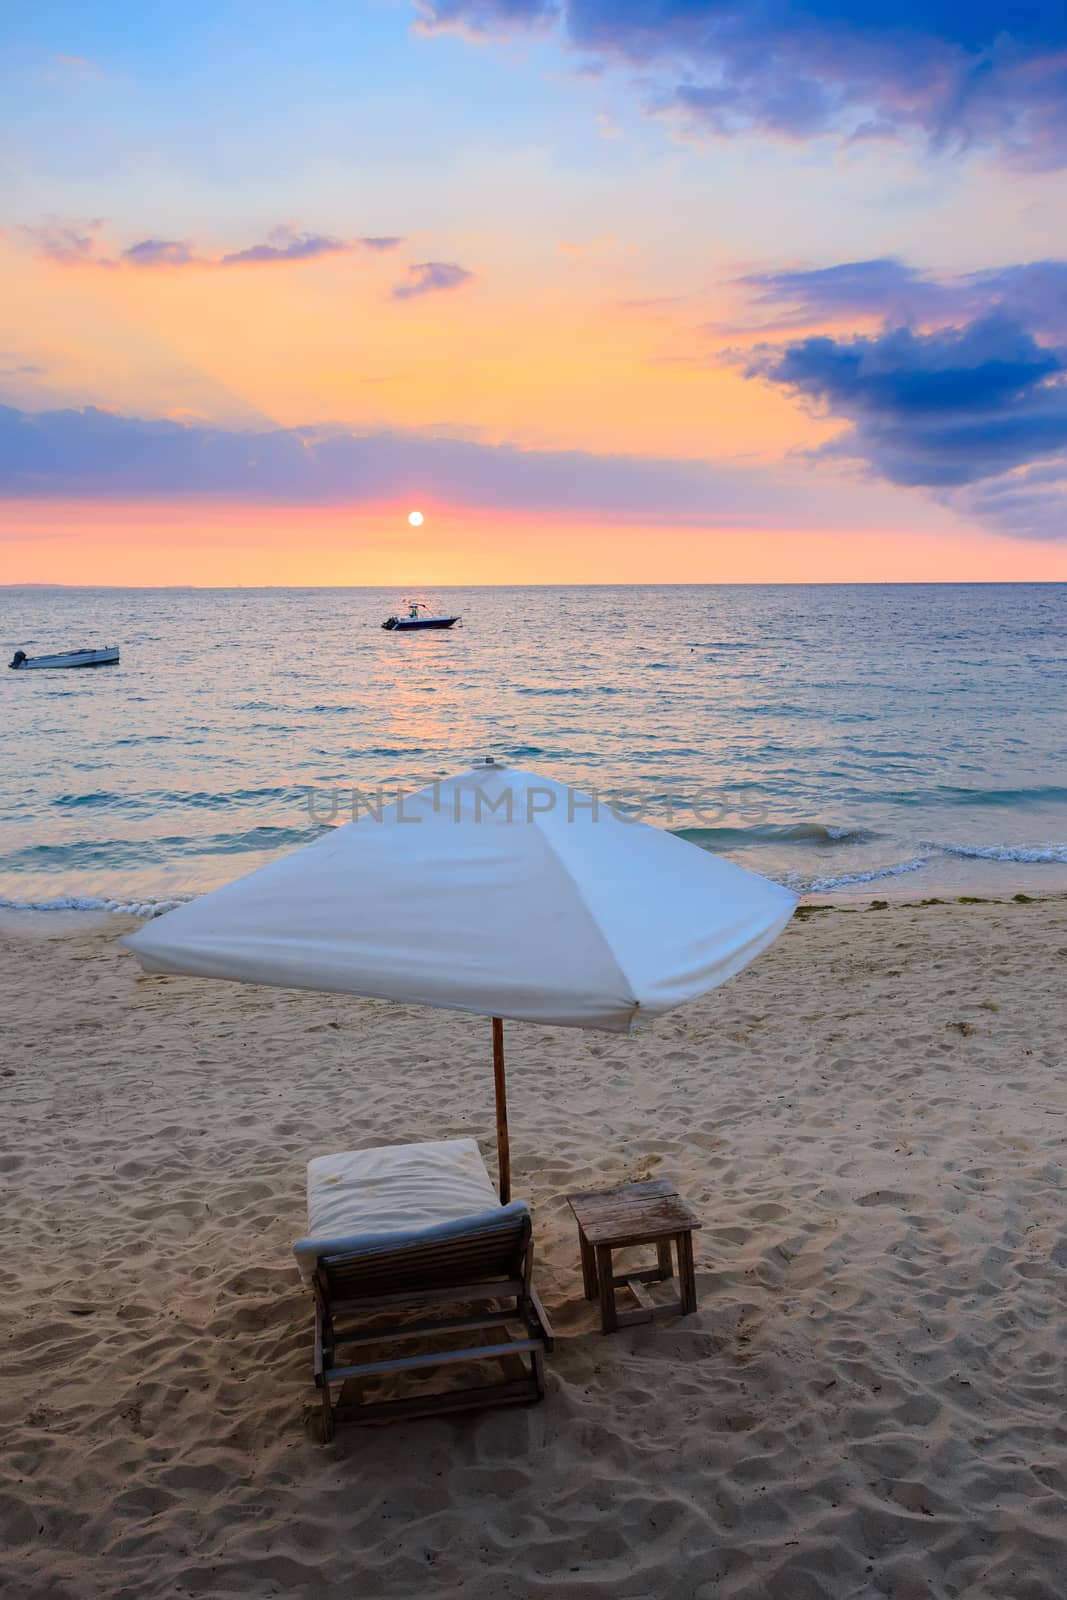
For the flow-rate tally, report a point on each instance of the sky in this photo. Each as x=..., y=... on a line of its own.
x=609, y=290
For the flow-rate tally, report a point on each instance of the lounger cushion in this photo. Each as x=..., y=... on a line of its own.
x=362, y=1198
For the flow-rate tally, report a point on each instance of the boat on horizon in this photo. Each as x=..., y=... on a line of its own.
x=106, y=657
x=418, y=617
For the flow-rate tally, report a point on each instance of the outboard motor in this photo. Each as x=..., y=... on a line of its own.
x=390, y=622
x=17, y=659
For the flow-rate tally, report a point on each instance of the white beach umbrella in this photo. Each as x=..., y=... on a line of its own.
x=497, y=892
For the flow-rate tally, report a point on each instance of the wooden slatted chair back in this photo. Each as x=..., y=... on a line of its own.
x=474, y=1258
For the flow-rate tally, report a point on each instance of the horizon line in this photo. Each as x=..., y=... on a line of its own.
x=696, y=583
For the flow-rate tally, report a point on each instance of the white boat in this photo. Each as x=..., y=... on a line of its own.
x=106, y=657
x=418, y=617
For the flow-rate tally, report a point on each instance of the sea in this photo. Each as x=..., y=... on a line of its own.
x=875, y=741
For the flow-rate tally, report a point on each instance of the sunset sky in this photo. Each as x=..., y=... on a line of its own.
x=610, y=290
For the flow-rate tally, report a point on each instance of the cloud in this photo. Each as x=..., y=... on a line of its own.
x=284, y=244
x=160, y=253
x=79, y=244
x=64, y=65
x=961, y=75
x=963, y=390
x=430, y=277
x=12, y=367
x=884, y=287
x=69, y=243
x=1034, y=293
x=92, y=453
x=944, y=410
x=486, y=18
x=1030, y=503
x=974, y=370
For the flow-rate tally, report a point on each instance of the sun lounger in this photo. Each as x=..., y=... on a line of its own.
x=406, y=1228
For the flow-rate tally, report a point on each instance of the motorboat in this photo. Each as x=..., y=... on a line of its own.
x=107, y=657
x=418, y=616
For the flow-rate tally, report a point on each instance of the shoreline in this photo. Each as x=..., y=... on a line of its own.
x=61, y=918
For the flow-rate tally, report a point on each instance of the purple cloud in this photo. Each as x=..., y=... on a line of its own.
x=963, y=391
x=283, y=244
x=884, y=287
x=160, y=253
x=69, y=243
x=961, y=74
x=487, y=18
x=430, y=277
x=1029, y=504
x=945, y=410
x=77, y=244
x=1034, y=293
x=98, y=454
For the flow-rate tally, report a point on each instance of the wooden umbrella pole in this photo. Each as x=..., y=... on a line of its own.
x=503, y=1149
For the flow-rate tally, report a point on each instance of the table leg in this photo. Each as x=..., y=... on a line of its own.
x=666, y=1266
x=589, y=1275
x=608, y=1319
x=686, y=1273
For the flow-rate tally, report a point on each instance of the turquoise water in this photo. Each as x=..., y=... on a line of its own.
x=843, y=739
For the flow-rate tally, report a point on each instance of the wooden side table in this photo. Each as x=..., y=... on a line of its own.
x=635, y=1213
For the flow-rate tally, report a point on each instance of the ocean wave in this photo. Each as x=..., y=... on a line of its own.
x=152, y=799
x=393, y=750
x=563, y=691
x=98, y=798
x=139, y=852
x=1035, y=854
x=82, y=902
x=948, y=794
x=817, y=833
x=848, y=880
x=205, y=799
x=783, y=709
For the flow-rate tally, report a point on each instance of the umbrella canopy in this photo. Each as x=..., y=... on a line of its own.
x=497, y=892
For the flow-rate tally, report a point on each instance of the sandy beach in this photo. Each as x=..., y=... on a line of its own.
x=872, y=1122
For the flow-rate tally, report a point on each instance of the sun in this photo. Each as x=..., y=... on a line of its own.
x=415, y=518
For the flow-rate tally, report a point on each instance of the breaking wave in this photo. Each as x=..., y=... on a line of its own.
x=1036, y=854
x=847, y=880
x=76, y=902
